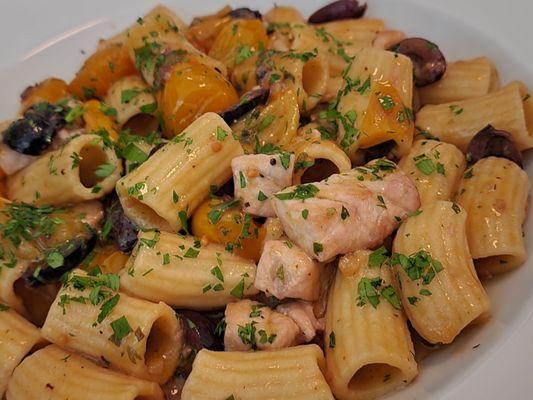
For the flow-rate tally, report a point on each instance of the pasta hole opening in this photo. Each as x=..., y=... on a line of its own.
x=321, y=170
x=489, y=266
x=91, y=157
x=36, y=300
x=312, y=81
x=145, y=216
x=163, y=346
x=371, y=376
x=141, y=124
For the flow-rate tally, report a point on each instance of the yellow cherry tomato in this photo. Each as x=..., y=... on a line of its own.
x=238, y=40
x=50, y=90
x=101, y=70
x=225, y=223
x=192, y=90
x=95, y=119
x=386, y=118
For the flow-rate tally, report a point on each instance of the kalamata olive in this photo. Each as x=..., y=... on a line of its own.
x=341, y=9
x=429, y=63
x=123, y=231
x=200, y=330
x=493, y=142
x=245, y=13
x=33, y=133
x=60, y=260
x=248, y=102
x=385, y=149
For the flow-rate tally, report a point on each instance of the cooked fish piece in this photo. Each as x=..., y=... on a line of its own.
x=286, y=271
x=302, y=313
x=257, y=177
x=252, y=325
x=354, y=210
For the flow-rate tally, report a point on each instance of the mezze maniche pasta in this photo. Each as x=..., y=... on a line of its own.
x=255, y=205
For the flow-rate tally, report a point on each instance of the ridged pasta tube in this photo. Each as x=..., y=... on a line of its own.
x=436, y=169
x=457, y=122
x=167, y=187
x=181, y=272
x=440, y=290
x=135, y=105
x=68, y=175
x=149, y=350
x=17, y=338
x=462, y=80
x=368, y=349
x=294, y=373
x=494, y=194
x=54, y=374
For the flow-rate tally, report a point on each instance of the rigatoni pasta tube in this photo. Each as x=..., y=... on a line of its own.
x=457, y=122
x=494, y=194
x=54, y=374
x=462, y=80
x=30, y=302
x=17, y=338
x=368, y=348
x=316, y=159
x=181, y=272
x=276, y=123
x=177, y=178
x=436, y=168
x=150, y=348
x=440, y=290
x=135, y=105
x=294, y=373
x=376, y=100
x=68, y=175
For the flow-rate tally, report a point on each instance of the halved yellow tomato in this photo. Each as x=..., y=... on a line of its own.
x=192, y=90
x=386, y=119
x=95, y=119
x=238, y=40
x=101, y=70
x=50, y=90
x=225, y=223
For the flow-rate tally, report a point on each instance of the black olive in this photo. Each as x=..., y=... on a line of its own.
x=123, y=231
x=73, y=251
x=33, y=133
x=493, y=142
x=245, y=13
x=341, y=9
x=429, y=63
x=248, y=102
x=200, y=330
x=381, y=150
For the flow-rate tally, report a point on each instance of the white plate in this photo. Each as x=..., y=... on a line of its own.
x=49, y=38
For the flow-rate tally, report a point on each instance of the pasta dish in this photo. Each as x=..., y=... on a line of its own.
x=254, y=206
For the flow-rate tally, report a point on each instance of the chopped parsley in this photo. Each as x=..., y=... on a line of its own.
x=301, y=192
x=377, y=257
x=121, y=329
x=386, y=102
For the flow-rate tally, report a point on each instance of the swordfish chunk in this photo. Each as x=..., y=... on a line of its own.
x=346, y=212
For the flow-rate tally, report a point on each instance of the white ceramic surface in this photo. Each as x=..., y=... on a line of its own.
x=50, y=38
